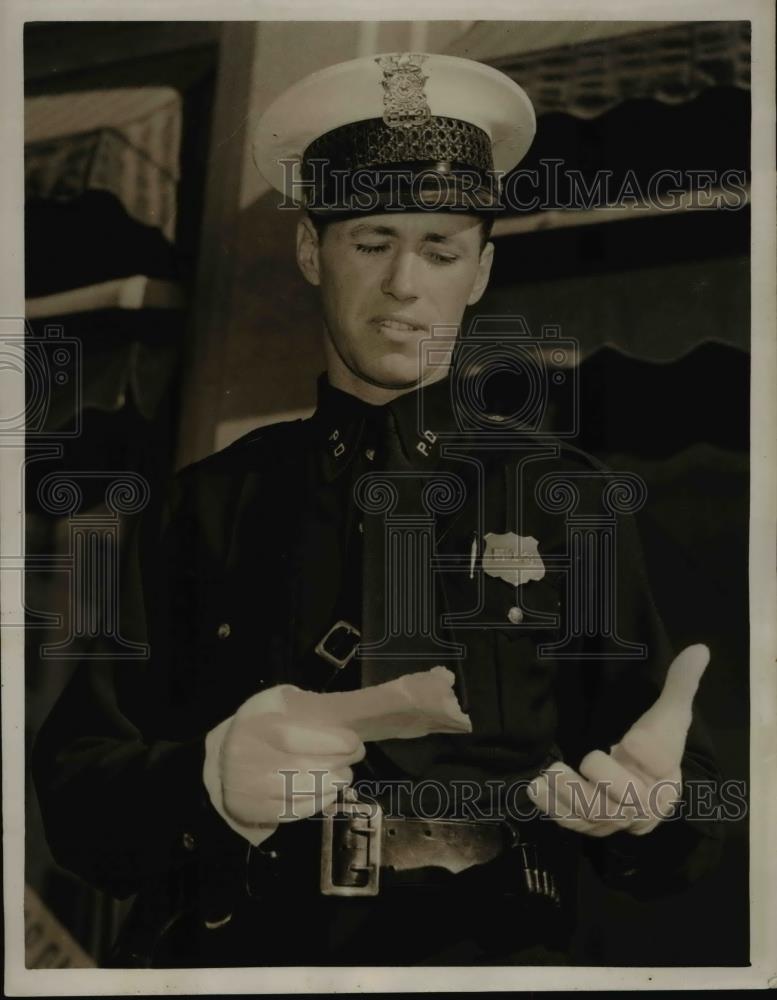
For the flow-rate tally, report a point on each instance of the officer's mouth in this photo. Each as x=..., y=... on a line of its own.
x=398, y=327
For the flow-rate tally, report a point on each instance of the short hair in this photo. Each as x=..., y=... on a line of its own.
x=486, y=220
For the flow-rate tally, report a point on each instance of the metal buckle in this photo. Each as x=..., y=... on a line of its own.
x=352, y=634
x=350, y=843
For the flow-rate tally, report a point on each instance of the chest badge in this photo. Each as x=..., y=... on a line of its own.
x=512, y=558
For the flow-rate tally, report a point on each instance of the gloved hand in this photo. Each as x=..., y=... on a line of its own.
x=265, y=766
x=638, y=783
x=275, y=769
x=286, y=752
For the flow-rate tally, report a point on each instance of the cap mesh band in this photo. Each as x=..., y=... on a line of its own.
x=372, y=143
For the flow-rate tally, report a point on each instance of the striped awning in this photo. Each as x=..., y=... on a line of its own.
x=586, y=68
x=125, y=141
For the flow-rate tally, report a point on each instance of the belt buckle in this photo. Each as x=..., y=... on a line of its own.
x=351, y=843
x=329, y=654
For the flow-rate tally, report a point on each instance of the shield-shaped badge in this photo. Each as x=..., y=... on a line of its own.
x=513, y=558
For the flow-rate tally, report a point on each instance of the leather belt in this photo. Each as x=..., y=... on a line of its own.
x=358, y=843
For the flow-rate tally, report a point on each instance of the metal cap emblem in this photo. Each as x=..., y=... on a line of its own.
x=404, y=100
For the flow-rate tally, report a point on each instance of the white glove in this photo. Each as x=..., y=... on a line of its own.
x=638, y=783
x=286, y=753
x=265, y=767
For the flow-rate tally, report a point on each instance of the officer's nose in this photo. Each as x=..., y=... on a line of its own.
x=401, y=276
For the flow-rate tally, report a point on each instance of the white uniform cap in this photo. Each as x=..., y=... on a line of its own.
x=440, y=114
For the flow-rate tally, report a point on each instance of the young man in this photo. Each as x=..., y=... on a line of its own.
x=404, y=527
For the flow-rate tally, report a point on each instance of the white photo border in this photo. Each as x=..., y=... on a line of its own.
x=762, y=972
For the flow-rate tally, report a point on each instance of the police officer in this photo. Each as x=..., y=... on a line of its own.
x=406, y=526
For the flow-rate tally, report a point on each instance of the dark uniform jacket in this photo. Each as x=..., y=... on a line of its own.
x=255, y=555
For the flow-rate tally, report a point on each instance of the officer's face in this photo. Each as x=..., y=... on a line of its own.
x=387, y=282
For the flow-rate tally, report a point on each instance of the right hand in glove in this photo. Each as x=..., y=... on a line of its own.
x=286, y=752
x=267, y=764
x=277, y=769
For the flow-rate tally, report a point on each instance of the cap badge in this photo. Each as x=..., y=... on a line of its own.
x=404, y=100
x=512, y=558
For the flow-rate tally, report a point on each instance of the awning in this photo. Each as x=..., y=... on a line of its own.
x=586, y=68
x=125, y=141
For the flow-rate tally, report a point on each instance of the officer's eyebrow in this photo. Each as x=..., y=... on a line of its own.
x=379, y=230
x=366, y=227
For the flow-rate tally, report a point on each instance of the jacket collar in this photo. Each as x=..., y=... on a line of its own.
x=343, y=424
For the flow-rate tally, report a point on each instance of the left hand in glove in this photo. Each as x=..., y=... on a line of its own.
x=638, y=783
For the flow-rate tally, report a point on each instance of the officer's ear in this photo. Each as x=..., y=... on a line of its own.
x=307, y=250
x=483, y=273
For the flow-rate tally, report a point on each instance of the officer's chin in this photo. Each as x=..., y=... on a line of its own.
x=400, y=375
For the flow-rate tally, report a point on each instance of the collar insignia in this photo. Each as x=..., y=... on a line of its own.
x=512, y=558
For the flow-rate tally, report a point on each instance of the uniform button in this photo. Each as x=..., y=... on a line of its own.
x=370, y=453
x=515, y=615
x=361, y=527
x=189, y=841
x=224, y=631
